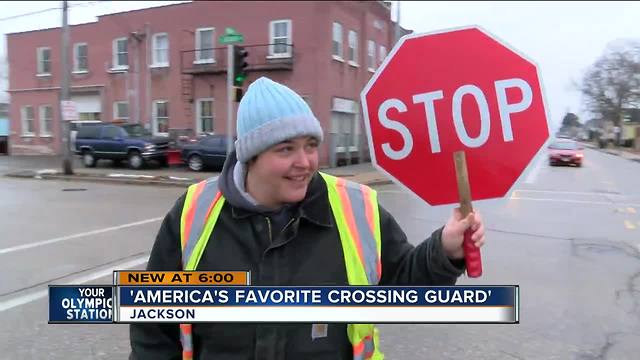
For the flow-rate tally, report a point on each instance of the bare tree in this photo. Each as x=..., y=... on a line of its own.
x=612, y=83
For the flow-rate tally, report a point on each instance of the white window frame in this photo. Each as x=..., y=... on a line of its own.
x=355, y=136
x=198, y=59
x=154, y=50
x=116, y=114
x=382, y=53
x=198, y=126
x=23, y=121
x=155, y=117
x=356, y=121
x=76, y=63
x=43, y=121
x=352, y=41
x=115, y=64
x=272, y=39
x=371, y=55
x=340, y=55
x=40, y=65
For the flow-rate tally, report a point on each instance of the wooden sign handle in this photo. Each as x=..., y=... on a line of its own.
x=472, y=258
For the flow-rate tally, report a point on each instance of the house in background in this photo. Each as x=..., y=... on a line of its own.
x=164, y=67
x=630, y=134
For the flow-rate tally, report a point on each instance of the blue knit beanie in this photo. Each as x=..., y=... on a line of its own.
x=270, y=113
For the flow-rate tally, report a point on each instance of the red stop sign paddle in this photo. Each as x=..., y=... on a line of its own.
x=455, y=97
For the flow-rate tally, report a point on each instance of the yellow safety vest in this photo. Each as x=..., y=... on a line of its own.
x=355, y=209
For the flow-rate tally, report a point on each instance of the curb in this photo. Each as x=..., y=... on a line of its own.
x=618, y=153
x=103, y=179
x=29, y=174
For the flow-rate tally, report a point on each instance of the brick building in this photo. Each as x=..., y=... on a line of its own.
x=164, y=68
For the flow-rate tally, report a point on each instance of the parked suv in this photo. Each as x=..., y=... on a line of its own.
x=118, y=142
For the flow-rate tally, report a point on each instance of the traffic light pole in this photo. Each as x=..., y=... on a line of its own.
x=229, y=98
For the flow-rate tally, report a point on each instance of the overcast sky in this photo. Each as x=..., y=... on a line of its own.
x=564, y=38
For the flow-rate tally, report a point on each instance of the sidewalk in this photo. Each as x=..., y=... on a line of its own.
x=625, y=153
x=50, y=167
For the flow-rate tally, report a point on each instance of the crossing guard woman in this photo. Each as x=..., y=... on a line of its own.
x=273, y=213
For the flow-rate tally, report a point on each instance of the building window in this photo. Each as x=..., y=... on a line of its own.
x=161, y=49
x=89, y=116
x=120, y=54
x=27, y=117
x=337, y=41
x=44, y=61
x=205, y=116
x=353, y=48
x=344, y=124
x=46, y=120
x=161, y=117
x=280, y=38
x=371, y=55
x=121, y=110
x=205, y=38
x=80, y=57
x=382, y=53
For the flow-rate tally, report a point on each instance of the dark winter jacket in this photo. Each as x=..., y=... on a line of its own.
x=307, y=251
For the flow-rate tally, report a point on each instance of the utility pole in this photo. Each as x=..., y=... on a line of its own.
x=398, y=36
x=67, y=164
x=229, y=98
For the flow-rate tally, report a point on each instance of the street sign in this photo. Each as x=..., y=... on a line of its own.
x=455, y=90
x=69, y=110
x=231, y=36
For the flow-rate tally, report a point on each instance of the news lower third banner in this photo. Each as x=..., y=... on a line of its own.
x=175, y=297
x=352, y=304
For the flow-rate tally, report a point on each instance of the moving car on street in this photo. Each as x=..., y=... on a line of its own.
x=565, y=152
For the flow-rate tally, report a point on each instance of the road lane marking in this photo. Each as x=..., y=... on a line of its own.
x=567, y=192
x=631, y=210
x=629, y=225
x=75, y=236
x=569, y=201
x=533, y=175
x=39, y=294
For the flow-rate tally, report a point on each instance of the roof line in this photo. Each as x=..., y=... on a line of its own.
x=51, y=28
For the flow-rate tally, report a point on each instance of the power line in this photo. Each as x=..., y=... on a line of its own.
x=28, y=14
x=49, y=9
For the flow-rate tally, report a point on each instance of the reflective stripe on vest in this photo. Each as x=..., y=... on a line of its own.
x=355, y=209
x=356, y=217
x=203, y=199
x=200, y=212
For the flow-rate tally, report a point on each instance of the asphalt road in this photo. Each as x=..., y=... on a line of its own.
x=568, y=236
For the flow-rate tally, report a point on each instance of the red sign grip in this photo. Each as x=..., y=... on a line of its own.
x=472, y=258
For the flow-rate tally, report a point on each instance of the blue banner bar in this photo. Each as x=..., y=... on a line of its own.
x=319, y=295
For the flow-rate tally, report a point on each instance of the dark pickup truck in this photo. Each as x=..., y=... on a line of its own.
x=130, y=142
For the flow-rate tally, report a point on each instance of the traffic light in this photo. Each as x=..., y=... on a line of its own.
x=239, y=65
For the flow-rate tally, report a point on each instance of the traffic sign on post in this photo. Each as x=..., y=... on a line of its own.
x=452, y=91
x=69, y=110
x=231, y=36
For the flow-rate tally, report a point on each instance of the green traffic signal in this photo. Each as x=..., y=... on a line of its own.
x=239, y=65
